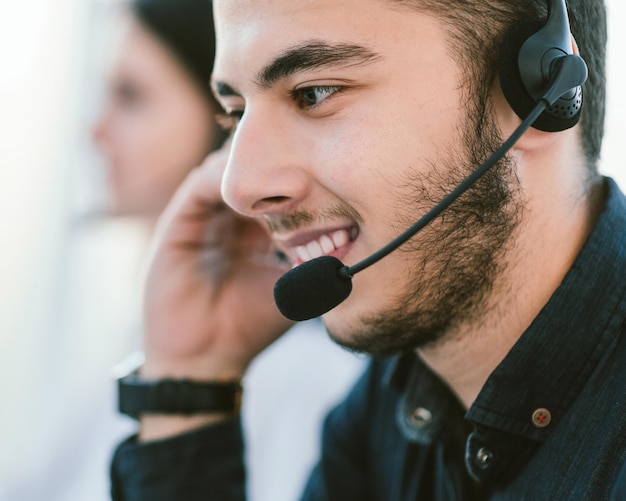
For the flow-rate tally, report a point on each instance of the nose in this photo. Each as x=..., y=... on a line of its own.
x=267, y=171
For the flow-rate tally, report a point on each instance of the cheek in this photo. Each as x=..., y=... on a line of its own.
x=362, y=164
x=195, y=132
x=185, y=142
x=363, y=158
x=150, y=136
x=165, y=151
x=132, y=134
x=143, y=152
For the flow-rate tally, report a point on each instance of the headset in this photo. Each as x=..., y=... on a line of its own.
x=541, y=78
x=528, y=56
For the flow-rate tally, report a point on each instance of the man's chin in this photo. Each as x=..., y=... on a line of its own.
x=342, y=328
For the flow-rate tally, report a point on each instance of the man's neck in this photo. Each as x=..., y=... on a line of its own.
x=544, y=250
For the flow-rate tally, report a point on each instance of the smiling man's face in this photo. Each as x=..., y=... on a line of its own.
x=352, y=123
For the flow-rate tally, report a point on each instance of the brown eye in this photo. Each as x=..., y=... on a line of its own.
x=310, y=97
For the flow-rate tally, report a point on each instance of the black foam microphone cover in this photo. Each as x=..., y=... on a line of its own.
x=312, y=288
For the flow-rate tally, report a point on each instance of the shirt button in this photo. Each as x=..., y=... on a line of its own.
x=542, y=417
x=483, y=458
x=421, y=417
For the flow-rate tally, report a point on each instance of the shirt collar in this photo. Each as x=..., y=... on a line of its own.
x=554, y=357
x=533, y=387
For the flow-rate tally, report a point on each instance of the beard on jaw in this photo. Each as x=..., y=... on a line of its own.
x=455, y=259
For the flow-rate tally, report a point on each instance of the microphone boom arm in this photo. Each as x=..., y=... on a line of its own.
x=568, y=72
x=297, y=292
x=451, y=197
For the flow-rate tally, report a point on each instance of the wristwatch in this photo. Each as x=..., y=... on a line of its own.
x=137, y=396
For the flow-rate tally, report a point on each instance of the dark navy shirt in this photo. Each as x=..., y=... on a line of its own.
x=549, y=423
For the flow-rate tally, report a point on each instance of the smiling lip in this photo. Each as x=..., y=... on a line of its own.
x=330, y=243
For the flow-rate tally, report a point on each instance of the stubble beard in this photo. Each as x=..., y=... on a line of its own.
x=456, y=259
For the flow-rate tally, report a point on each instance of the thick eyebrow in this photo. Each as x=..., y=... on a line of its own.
x=310, y=55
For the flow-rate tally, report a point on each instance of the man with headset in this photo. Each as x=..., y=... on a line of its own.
x=497, y=330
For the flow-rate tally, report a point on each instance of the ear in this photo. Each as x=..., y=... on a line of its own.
x=508, y=117
x=508, y=121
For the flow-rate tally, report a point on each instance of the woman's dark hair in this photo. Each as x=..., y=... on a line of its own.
x=186, y=27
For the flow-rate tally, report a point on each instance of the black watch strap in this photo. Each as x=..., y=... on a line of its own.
x=176, y=396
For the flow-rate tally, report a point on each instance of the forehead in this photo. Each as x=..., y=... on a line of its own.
x=138, y=53
x=252, y=32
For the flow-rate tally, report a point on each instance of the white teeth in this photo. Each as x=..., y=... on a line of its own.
x=323, y=246
x=340, y=238
x=315, y=249
x=327, y=244
x=302, y=253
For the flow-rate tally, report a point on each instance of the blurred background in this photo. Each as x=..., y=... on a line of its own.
x=70, y=279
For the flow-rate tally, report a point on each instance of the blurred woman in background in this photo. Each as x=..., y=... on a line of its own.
x=158, y=123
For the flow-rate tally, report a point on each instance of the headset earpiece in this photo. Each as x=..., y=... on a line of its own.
x=527, y=58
